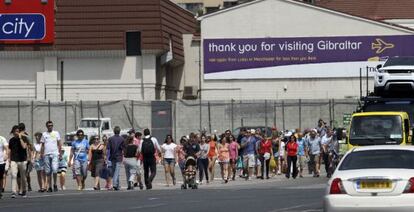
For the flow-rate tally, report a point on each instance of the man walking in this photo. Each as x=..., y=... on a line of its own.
x=248, y=143
x=79, y=154
x=51, y=151
x=314, y=145
x=147, y=149
x=115, y=149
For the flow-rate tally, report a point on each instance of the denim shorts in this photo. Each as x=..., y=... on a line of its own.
x=39, y=165
x=51, y=163
x=80, y=168
x=169, y=161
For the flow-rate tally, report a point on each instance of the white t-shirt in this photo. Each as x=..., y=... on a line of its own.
x=282, y=149
x=169, y=150
x=51, y=142
x=3, y=145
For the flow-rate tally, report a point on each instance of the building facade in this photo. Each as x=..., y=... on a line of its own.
x=100, y=50
x=276, y=35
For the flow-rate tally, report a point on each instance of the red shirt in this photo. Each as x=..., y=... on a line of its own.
x=265, y=147
x=292, y=148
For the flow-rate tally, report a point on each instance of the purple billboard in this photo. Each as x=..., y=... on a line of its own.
x=225, y=55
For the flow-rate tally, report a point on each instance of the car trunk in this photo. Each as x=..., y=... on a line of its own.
x=375, y=182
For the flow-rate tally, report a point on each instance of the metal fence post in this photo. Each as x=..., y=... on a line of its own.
x=330, y=113
x=333, y=112
x=48, y=109
x=75, y=116
x=274, y=113
x=232, y=114
x=99, y=120
x=132, y=114
x=66, y=117
x=31, y=117
x=81, y=109
x=209, y=116
x=265, y=110
x=300, y=113
x=283, y=114
x=18, y=111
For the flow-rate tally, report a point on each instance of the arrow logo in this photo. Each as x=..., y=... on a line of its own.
x=381, y=46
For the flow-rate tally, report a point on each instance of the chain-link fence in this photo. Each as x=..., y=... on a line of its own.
x=186, y=116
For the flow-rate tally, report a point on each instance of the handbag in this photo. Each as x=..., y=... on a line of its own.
x=239, y=163
x=104, y=173
x=272, y=163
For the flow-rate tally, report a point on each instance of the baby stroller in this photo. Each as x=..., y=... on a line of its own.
x=189, y=174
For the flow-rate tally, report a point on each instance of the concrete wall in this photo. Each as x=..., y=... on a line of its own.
x=279, y=18
x=32, y=76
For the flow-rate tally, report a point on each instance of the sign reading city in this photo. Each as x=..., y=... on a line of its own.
x=299, y=57
x=22, y=27
x=27, y=22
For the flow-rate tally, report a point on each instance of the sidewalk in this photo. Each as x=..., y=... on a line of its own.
x=159, y=181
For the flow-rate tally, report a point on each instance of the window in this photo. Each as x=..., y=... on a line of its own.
x=378, y=159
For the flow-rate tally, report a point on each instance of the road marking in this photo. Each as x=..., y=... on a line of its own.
x=314, y=186
x=294, y=207
x=147, y=206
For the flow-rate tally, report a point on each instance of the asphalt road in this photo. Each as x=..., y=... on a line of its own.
x=275, y=195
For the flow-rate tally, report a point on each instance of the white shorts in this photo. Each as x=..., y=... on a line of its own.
x=249, y=161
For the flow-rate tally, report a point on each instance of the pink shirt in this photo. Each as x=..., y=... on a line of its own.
x=234, y=152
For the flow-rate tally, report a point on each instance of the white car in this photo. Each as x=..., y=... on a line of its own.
x=373, y=178
x=397, y=74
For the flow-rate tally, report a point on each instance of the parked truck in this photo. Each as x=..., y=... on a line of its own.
x=93, y=127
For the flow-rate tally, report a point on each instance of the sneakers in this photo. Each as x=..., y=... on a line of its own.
x=141, y=186
x=24, y=195
x=55, y=188
x=13, y=195
x=63, y=188
x=116, y=188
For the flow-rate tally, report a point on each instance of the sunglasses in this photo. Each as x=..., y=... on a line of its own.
x=49, y=125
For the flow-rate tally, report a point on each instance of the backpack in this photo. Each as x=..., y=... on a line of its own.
x=147, y=148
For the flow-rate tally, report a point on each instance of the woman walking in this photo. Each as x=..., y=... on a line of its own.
x=292, y=151
x=130, y=161
x=169, y=158
x=203, y=159
x=96, y=156
x=224, y=158
x=212, y=155
x=234, y=154
x=39, y=164
x=265, y=153
x=18, y=161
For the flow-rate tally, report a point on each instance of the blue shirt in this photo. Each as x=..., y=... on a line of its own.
x=80, y=150
x=250, y=143
x=301, y=147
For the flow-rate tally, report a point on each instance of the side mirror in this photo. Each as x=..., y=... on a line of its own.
x=379, y=66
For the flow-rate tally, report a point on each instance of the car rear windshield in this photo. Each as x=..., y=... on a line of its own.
x=378, y=159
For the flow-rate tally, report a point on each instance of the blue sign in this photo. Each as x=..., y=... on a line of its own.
x=22, y=27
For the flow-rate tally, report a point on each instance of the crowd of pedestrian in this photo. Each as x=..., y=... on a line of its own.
x=251, y=153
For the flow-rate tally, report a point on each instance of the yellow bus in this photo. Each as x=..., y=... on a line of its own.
x=379, y=128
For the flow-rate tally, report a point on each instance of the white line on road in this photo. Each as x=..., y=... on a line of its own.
x=293, y=207
x=147, y=206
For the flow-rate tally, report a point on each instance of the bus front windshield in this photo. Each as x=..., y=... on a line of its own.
x=373, y=130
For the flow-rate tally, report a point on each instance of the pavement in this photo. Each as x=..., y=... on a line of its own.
x=277, y=194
